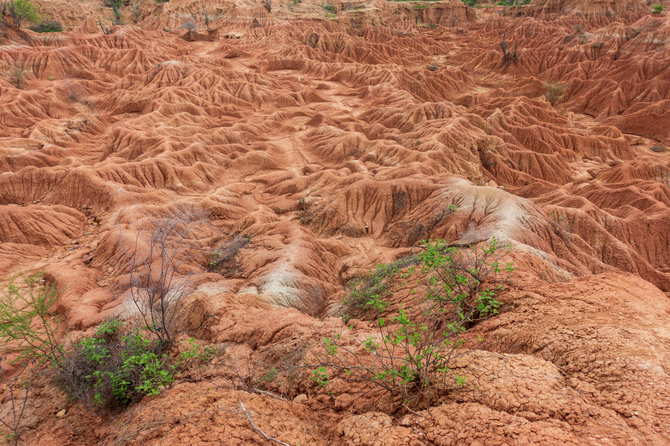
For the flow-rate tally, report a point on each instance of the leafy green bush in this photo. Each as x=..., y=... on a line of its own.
x=47, y=26
x=657, y=9
x=410, y=357
x=116, y=367
x=27, y=320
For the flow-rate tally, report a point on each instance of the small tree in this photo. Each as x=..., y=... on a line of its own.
x=20, y=10
x=190, y=26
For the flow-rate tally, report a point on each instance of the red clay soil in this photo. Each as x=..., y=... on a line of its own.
x=335, y=142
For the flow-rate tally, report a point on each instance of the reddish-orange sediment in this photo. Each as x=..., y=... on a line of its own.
x=337, y=144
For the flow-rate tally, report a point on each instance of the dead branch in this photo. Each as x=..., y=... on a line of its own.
x=256, y=429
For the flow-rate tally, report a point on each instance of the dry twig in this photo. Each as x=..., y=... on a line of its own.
x=256, y=429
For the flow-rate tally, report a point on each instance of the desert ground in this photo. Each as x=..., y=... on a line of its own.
x=294, y=146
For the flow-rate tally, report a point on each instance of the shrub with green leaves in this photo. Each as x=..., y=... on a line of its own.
x=657, y=9
x=117, y=367
x=19, y=10
x=411, y=353
x=47, y=26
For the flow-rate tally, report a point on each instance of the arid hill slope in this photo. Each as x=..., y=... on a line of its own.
x=335, y=142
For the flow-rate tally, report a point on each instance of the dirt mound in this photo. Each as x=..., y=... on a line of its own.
x=316, y=140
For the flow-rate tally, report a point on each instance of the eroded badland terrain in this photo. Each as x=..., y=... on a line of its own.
x=302, y=143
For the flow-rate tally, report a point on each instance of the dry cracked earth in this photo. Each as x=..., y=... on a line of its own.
x=325, y=142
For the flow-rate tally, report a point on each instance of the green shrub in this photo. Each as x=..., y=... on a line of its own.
x=116, y=367
x=47, y=26
x=657, y=9
x=410, y=357
x=19, y=10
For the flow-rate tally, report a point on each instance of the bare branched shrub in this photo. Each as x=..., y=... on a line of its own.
x=268, y=5
x=18, y=392
x=190, y=26
x=155, y=289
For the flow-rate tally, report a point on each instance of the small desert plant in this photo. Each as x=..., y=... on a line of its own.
x=411, y=355
x=18, y=74
x=268, y=5
x=224, y=258
x=137, y=12
x=560, y=225
x=205, y=16
x=27, y=320
x=330, y=8
x=20, y=10
x=657, y=9
x=105, y=30
x=508, y=56
x=17, y=385
x=47, y=26
x=553, y=91
x=190, y=26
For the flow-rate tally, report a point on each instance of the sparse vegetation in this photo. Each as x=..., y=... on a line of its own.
x=410, y=357
x=154, y=289
x=28, y=324
x=508, y=56
x=47, y=26
x=224, y=258
x=18, y=393
x=19, y=11
x=117, y=367
x=553, y=91
x=658, y=8
x=560, y=225
x=18, y=74
x=190, y=27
